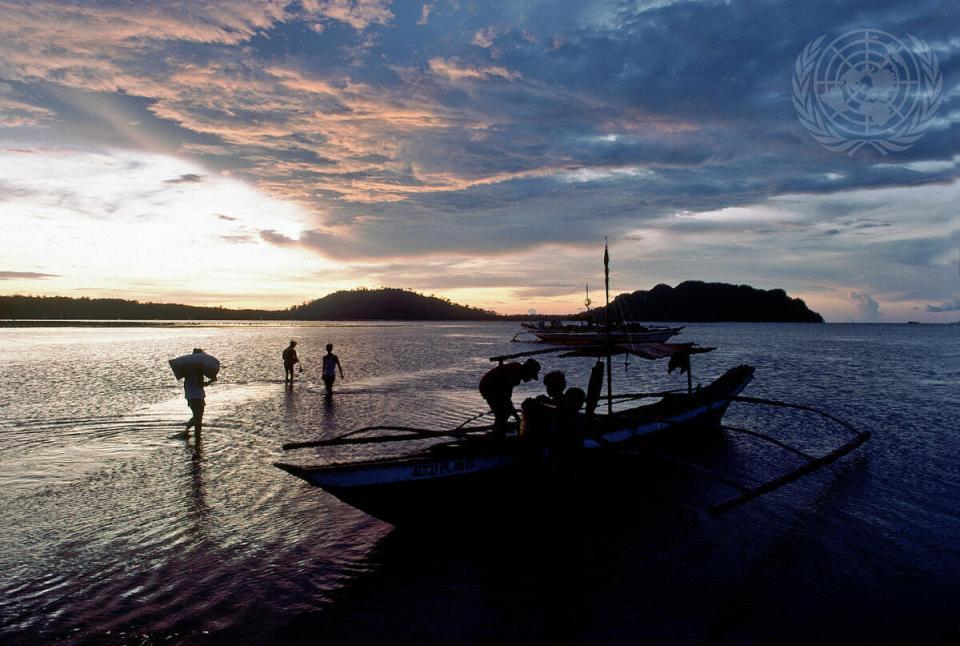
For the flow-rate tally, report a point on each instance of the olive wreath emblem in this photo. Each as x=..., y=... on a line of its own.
x=833, y=138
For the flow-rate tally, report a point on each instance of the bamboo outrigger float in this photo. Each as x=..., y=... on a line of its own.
x=470, y=472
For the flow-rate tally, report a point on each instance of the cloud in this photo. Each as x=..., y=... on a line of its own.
x=485, y=37
x=412, y=132
x=455, y=70
x=276, y=238
x=867, y=307
x=949, y=306
x=187, y=178
x=359, y=14
x=239, y=239
x=18, y=112
x=16, y=275
x=425, y=13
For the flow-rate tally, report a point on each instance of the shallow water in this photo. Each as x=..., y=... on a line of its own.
x=113, y=530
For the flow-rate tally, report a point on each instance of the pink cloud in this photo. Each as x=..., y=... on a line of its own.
x=456, y=71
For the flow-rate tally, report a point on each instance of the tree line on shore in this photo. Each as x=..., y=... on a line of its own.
x=690, y=301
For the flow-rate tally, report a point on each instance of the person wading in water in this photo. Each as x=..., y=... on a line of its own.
x=193, y=384
x=290, y=358
x=331, y=363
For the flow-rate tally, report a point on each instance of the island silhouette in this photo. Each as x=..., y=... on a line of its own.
x=690, y=301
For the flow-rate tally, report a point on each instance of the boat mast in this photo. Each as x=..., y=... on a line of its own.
x=606, y=281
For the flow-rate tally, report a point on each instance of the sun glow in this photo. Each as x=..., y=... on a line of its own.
x=148, y=227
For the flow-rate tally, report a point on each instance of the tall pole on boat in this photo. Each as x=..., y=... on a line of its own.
x=606, y=282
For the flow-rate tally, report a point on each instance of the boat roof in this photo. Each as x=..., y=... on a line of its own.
x=650, y=351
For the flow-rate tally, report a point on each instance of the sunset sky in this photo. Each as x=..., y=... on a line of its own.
x=255, y=153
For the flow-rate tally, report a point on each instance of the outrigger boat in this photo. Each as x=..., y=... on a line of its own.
x=472, y=473
x=592, y=333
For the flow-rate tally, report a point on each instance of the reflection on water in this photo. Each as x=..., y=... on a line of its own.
x=115, y=529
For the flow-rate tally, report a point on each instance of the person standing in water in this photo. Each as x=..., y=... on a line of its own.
x=331, y=363
x=290, y=358
x=196, y=397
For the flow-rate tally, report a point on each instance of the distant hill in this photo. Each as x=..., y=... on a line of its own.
x=358, y=304
x=386, y=303
x=63, y=307
x=697, y=301
x=689, y=301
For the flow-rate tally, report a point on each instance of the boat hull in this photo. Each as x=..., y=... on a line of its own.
x=472, y=478
x=561, y=334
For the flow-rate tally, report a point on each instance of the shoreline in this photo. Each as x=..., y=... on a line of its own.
x=220, y=323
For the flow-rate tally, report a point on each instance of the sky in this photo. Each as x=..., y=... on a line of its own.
x=266, y=153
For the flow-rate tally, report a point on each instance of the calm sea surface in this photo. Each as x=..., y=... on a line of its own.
x=113, y=531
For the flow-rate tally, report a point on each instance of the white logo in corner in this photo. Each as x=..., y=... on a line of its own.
x=867, y=88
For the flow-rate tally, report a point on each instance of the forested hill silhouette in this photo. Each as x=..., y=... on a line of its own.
x=386, y=303
x=357, y=304
x=689, y=301
x=63, y=307
x=697, y=301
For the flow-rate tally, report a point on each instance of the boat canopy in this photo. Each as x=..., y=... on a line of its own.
x=651, y=351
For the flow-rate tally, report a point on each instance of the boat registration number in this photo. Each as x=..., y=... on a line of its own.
x=442, y=468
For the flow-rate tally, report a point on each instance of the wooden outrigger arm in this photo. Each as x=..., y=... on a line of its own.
x=812, y=464
x=406, y=433
x=815, y=463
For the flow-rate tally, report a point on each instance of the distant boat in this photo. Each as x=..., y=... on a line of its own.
x=913, y=322
x=592, y=333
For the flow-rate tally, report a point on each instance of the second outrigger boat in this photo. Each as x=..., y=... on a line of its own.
x=471, y=472
x=593, y=333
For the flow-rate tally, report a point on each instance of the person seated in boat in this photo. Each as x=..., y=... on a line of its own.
x=555, y=382
x=573, y=401
x=496, y=387
x=545, y=421
x=568, y=433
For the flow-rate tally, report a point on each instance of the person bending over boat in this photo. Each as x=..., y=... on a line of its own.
x=196, y=397
x=290, y=359
x=331, y=363
x=497, y=386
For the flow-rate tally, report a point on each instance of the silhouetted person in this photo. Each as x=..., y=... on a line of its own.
x=196, y=397
x=555, y=382
x=573, y=401
x=497, y=388
x=331, y=364
x=290, y=359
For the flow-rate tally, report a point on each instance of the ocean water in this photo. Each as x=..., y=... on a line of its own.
x=116, y=532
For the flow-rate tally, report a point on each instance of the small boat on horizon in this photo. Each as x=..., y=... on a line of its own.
x=592, y=331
